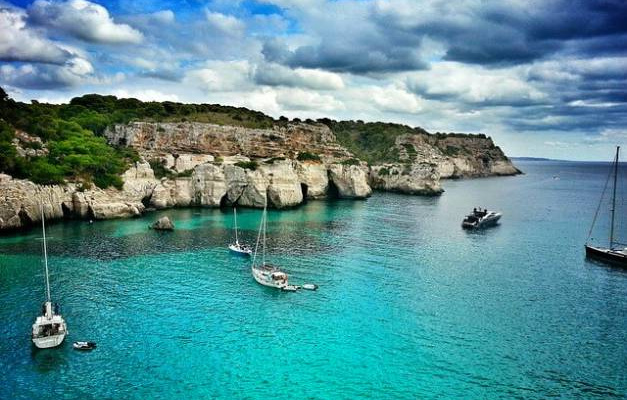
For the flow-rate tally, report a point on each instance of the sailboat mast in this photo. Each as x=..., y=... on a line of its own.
x=614, y=197
x=265, y=226
x=43, y=228
x=235, y=214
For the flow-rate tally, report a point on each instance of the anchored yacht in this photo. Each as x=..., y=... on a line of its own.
x=264, y=273
x=49, y=328
x=481, y=219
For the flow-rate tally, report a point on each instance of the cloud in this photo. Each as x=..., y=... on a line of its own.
x=299, y=99
x=163, y=17
x=507, y=32
x=474, y=85
x=82, y=19
x=613, y=136
x=395, y=100
x=343, y=37
x=222, y=76
x=145, y=95
x=277, y=75
x=73, y=73
x=18, y=42
x=225, y=24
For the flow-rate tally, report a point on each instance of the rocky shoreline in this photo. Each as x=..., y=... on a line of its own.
x=216, y=166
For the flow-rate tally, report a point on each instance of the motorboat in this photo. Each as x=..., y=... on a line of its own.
x=481, y=219
x=49, y=329
x=84, y=345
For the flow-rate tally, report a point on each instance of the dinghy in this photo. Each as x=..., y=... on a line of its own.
x=84, y=345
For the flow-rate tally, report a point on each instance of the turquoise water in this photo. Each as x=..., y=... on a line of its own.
x=409, y=305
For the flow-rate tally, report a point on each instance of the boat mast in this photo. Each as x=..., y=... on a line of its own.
x=614, y=197
x=235, y=214
x=43, y=228
x=265, y=226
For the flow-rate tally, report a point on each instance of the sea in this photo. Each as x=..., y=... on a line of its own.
x=409, y=305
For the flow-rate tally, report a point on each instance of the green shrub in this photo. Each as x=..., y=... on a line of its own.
x=351, y=161
x=159, y=169
x=42, y=172
x=307, y=156
x=384, y=171
x=186, y=173
x=410, y=149
x=273, y=159
x=252, y=165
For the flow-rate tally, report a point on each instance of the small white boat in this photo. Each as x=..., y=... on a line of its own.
x=49, y=329
x=310, y=286
x=264, y=273
x=481, y=219
x=237, y=247
x=84, y=345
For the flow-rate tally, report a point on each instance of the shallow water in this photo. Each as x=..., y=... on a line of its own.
x=409, y=305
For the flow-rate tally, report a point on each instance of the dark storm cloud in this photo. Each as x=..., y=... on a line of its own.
x=357, y=58
x=506, y=35
x=165, y=75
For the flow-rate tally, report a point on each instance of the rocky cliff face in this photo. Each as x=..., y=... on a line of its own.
x=281, y=184
x=217, y=140
x=211, y=166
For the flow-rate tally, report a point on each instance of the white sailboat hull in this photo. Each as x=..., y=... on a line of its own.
x=47, y=342
x=264, y=277
x=235, y=248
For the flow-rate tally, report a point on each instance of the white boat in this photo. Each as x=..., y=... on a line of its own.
x=49, y=329
x=84, y=345
x=264, y=273
x=237, y=247
x=481, y=219
x=615, y=252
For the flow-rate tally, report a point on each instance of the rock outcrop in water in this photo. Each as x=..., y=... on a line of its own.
x=163, y=224
x=211, y=166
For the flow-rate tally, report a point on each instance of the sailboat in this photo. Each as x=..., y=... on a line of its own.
x=264, y=273
x=237, y=247
x=615, y=252
x=49, y=329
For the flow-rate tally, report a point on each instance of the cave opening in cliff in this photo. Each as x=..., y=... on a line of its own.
x=224, y=201
x=90, y=213
x=67, y=213
x=333, y=192
x=25, y=219
x=146, y=200
x=304, y=188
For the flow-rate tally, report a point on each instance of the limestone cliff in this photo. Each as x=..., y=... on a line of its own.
x=209, y=165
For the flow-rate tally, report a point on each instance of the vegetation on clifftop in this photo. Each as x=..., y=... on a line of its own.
x=72, y=147
x=370, y=141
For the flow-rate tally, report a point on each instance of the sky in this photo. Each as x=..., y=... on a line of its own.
x=543, y=78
